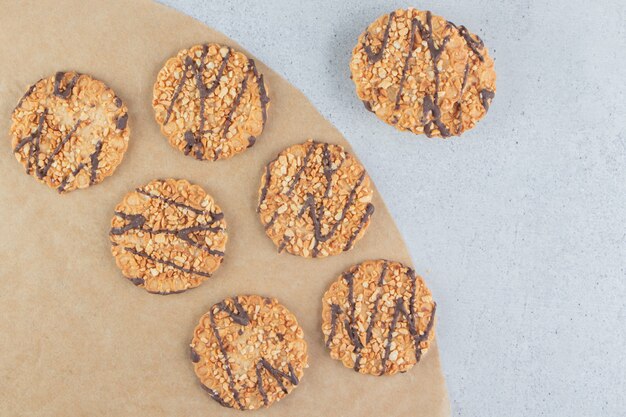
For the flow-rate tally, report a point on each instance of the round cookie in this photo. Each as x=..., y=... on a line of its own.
x=421, y=73
x=378, y=318
x=248, y=352
x=210, y=101
x=315, y=200
x=69, y=131
x=168, y=236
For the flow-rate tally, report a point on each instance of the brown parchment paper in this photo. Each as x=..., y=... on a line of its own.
x=76, y=338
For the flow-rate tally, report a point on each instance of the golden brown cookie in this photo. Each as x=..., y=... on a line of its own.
x=168, y=236
x=210, y=101
x=378, y=318
x=421, y=73
x=70, y=131
x=315, y=200
x=248, y=351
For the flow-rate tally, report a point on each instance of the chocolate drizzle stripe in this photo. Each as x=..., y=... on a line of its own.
x=431, y=103
x=283, y=243
x=335, y=311
x=166, y=262
x=394, y=322
x=474, y=44
x=372, y=318
x=305, y=162
x=369, y=210
x=379, y=296
x=375, y=57
x=259, y=382
x=214, y=216
x=215, y=396
x=229, y=119
x=58, y=149
x=220, y=342
x=66, y=180
x=350, y=322
x=424, y=336
x=195, y=358
x=485, y=98
x=407, y=62
x=137, y=280
x=137, y=221
x=33, y=139
x=95, y=162
x=121, y=122
x=67, y=91
x=262, y=92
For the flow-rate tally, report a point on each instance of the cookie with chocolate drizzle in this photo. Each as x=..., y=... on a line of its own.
x=421, y=73
x=210, y=101
x=168, y=236
x=248, y=352
x=315, y=200
x=69, y=131
x=378, y=318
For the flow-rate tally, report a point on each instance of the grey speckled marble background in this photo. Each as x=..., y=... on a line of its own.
x=520, y=225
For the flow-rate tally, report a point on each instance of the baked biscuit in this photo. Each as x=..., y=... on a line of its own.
x=421, y=73
x=378, y=318
x=248, y=352
x=70, y=131
x=168, y=236
x=315, y=200
x=210, y=101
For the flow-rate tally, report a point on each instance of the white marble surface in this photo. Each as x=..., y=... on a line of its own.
x=520, y=225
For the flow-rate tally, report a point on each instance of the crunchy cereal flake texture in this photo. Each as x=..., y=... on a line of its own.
x=315, y=200
x=168, y=236
x=69, y=131
x=421, y=73
x=378, y=318
x=210, y=101
x=248, y=352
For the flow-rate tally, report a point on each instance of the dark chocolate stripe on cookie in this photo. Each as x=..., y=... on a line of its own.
x=375, y=57
x=58, y=149
x=241, y=316
x=485, y=98
x=67, y=91
x=262, y=92
x=166, y=262
x=476, y=45
x=72, y=175
x=95, y=162
x=305, y=162
x=407, y=62
x=431, y=104
x=233, y=108
x=137, y=221
x=33, y=139
x=372, y=318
